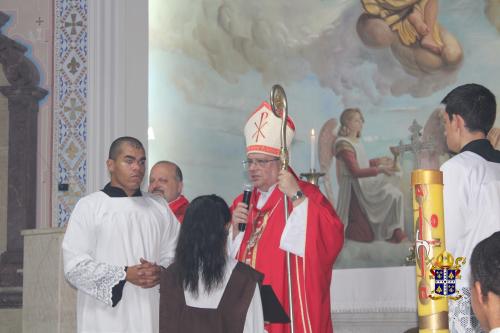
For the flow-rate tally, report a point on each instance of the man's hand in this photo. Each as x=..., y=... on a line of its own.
x=240, y=215
x=289, y=185
x=144, y=275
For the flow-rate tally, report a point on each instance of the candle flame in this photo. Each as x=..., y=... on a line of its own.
x=151, y=133
x=312, y=132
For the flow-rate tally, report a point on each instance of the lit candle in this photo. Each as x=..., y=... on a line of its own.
x=313, y=145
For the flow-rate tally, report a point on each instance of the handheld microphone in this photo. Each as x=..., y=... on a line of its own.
x=247, y=194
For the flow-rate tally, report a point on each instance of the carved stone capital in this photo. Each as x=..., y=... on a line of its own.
x=23, y=98
x=20, y=71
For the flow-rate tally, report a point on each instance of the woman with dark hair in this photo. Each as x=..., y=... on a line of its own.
x=205, y=290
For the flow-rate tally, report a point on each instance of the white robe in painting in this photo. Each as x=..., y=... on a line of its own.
x=378, y=196
x=104, y=235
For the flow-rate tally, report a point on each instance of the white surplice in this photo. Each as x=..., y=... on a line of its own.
x=471, y=197
x=104, y=235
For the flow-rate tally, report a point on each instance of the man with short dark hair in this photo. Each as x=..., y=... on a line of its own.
x=165, y=179
x=115, y=241
x=471, y=185
x=485, y=287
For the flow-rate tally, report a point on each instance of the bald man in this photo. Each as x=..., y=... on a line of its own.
x=165, y=179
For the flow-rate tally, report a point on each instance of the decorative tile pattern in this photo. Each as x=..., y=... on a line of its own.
x=70, y=117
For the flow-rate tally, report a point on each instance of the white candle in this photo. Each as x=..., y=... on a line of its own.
x=313, y=146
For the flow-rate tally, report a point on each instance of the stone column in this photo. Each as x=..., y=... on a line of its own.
x=23, y=95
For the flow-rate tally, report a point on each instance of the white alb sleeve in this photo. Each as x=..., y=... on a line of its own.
x=94, y=278
x=293, y=238
x=233, y=245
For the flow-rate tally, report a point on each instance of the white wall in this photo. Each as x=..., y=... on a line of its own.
x=118, y=80
x=4, y=157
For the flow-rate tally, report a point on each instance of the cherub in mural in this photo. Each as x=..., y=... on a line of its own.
x=492, y=11
x=412, y=20
x=409, y=27
x=369, y=201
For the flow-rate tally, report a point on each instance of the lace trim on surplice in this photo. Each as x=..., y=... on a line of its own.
x=96, y=279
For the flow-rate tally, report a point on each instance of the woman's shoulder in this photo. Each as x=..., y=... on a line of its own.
x=343, y=144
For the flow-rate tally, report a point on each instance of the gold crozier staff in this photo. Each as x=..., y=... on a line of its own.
x=280, y=109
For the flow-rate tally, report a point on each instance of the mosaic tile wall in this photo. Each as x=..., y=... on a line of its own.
x=70, y=106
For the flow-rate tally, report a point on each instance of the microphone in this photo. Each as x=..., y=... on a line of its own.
x=247, y=194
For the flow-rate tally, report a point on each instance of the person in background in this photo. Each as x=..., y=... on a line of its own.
x=166, y=180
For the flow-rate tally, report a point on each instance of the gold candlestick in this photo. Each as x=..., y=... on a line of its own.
x=395, y=152
x=312, y=176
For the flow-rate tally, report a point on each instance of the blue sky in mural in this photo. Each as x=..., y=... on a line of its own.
x=213, y=62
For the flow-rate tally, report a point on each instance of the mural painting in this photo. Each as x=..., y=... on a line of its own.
x=212, y=63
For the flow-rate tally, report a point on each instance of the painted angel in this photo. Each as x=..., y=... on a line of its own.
x=369, y=203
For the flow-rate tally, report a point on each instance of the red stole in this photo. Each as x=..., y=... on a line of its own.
x=179, y=206
x=311, y=275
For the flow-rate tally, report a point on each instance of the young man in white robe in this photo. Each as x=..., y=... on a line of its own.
x=115, y=243
x=471, y=186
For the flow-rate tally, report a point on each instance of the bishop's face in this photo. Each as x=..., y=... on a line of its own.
x=263, y=170
x=127, y=169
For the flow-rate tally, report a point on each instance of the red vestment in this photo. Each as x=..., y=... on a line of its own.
x=311, y=274
x=179, y=206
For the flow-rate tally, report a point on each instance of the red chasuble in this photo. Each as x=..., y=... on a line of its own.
x=312, y=274
x=179, y=206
